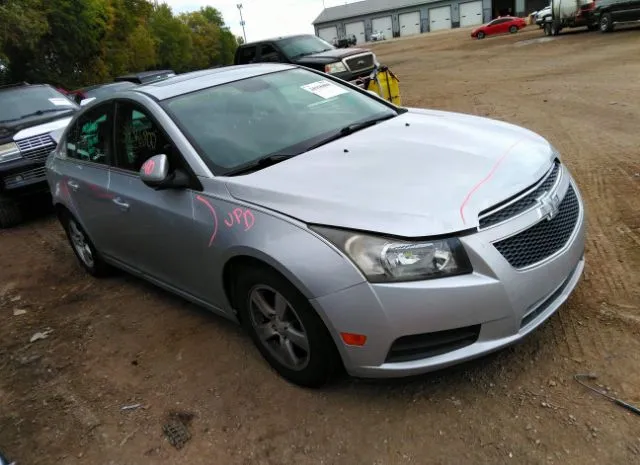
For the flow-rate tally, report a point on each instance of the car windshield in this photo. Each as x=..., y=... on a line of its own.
x=22, y=102
x=304, y=45
x=286, y=112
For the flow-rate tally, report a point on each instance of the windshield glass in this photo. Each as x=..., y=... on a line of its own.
x=304, y=45
x=21, y=101
x=280, y=113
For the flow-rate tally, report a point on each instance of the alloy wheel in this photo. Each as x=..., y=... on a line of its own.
x=80, y=244
x=278, y=327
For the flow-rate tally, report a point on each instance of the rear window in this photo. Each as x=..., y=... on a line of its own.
x=246, y=54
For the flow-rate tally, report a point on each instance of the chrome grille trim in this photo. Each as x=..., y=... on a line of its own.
x=36, y=147
x=34, y=174
x=523, y=202
x=369, y=61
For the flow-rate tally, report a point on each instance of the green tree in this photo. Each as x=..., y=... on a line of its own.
x=173, y=39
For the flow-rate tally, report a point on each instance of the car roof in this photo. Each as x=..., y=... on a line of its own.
x=198, y=80
x=144, y=74
x=276, y=39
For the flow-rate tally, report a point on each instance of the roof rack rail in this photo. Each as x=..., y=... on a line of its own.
x=15, y=84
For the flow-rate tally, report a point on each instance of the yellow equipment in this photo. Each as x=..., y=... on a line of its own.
x=383, y=82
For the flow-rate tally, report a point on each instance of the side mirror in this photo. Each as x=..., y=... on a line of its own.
x=155, y=173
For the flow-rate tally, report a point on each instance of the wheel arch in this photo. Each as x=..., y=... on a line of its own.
x=249, y=257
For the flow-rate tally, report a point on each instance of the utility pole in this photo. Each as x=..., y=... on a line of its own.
x=244, y=33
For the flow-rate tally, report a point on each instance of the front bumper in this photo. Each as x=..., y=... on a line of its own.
x=503, y=303
x=22, y=177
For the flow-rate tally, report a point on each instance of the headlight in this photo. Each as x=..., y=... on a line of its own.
x=387, y=260
x=9, y=152
x=333, y=68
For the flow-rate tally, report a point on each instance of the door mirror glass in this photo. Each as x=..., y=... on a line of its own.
x=155, y=171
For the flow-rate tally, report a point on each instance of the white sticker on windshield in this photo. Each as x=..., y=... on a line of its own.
x=61, y=102
x=324, y=89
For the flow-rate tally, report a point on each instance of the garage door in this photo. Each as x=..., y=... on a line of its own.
x=409, y=23
x=328, y=33
x=470, y=14
x=357, y=29
x=440, y=18
x=383, y=25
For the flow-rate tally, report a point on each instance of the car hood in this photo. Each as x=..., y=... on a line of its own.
x=420, y=174
x=331, y=56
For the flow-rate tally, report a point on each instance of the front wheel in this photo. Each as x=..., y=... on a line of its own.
x=513, y=29
x=285, y=328
x=606, y=23
x=480, y=35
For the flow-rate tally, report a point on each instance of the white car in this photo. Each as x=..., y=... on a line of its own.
x=378, y=35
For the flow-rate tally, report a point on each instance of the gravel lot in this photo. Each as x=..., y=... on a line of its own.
x=121, y=342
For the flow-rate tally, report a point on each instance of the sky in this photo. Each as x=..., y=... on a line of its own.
x=263, y=18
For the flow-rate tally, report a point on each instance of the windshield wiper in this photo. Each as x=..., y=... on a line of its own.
x=35, y=113
x=347, y=130
x=264, y=162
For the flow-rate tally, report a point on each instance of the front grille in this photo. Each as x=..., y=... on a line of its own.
x=37, y=147
x=360, y=62
x=18, y=179
x=419, y=346
x=544, y=238
x=515, y=206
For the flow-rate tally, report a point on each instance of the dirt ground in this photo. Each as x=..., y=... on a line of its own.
x=121, y=342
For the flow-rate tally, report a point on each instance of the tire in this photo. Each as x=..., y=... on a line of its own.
x=547, y=29
x=87, y=255
x=513, y=29
x=606, y=23
x=297, y=326
x=555, y=30
x=480, y=35
x=10, y=213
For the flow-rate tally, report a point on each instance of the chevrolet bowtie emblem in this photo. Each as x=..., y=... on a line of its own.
x=550, y=206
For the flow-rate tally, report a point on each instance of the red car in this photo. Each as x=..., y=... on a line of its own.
x=499, y=26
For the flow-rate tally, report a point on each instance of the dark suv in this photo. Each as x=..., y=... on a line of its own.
x=607, y=13
x=310, y=51
x=32, y=118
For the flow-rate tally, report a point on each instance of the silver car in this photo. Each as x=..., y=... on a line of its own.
x=338, y=229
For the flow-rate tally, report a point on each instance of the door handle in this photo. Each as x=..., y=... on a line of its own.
x=121, y=203
x=73, y=185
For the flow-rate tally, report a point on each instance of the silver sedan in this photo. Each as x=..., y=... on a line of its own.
x=337, y=228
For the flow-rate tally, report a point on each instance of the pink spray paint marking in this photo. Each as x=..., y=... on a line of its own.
x=241, y=217
x=148, y=167
x=486, y=178
x=215, y=217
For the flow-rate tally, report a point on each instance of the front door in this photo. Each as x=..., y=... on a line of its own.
x=154, y=230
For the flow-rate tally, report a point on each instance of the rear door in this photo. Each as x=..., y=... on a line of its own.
x=153, y=230
x=85, y=173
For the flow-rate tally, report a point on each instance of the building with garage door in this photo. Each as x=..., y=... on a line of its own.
x=399, y=18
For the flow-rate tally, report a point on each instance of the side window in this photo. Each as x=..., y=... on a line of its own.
x=138, y=138
x=269, y=53
x=90, y=137
x=247, y=55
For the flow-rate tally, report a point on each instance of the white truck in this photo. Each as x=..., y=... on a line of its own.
x=570, y=13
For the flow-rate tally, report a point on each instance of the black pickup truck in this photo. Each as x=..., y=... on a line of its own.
x=311, y=51
x=31, y=119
